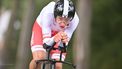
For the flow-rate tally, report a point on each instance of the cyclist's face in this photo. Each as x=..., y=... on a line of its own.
x=63, y=22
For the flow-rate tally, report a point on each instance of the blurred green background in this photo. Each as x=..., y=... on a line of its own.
x=105, y=33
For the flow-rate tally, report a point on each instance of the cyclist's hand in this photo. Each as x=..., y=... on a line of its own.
x=58, y=36
x=64, y=38
x=61, y=36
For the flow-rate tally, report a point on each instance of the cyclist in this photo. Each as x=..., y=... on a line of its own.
x=56, y=23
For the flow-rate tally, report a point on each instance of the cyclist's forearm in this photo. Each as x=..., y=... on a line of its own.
x=49, y=41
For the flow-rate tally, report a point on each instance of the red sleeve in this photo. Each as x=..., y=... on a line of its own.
x=37, y=38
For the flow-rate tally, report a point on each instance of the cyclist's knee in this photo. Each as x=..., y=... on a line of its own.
x=58, y=65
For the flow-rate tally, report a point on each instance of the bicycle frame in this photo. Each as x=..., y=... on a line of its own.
x=53, y=62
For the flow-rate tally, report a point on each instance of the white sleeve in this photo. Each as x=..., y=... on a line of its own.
x=73, y=26
x=45, y=18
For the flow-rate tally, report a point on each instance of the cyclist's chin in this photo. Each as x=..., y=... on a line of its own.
x=60, y=29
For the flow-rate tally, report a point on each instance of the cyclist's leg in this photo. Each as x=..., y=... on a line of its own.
x=55, y=54
x=37, y=55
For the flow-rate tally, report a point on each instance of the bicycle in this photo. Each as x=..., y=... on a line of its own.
x=52, y=62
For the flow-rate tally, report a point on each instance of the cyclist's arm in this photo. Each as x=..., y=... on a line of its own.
x=74, y=23
x=44, y=19
x=41, y=28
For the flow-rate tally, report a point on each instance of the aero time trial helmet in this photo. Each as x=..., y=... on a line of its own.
x=64, y=8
